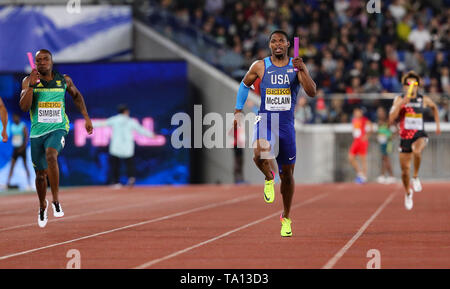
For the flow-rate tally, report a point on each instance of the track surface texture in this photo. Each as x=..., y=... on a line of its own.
x=230, y=227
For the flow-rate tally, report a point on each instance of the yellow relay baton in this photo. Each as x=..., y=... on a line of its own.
x=411, y=87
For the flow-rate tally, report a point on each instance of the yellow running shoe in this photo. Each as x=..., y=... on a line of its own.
x=286, y=230
x=269, y=191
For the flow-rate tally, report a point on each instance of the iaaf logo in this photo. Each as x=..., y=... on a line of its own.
x=220, y=133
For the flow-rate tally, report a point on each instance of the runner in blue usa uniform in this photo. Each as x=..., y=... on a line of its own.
x=274, y=133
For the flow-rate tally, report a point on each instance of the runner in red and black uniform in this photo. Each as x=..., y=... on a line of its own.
x=408, y=110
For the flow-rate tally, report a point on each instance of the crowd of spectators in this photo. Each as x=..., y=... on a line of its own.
x=346, y=49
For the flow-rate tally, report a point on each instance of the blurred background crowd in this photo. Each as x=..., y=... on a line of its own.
x=348, y=51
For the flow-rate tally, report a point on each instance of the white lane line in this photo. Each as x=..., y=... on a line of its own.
x=96, y=212
x=214, y=205
x=330, y=264
x=177, y=253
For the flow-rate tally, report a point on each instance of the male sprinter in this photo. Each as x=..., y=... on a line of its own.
x=408, y=108
x=280, y=84
x=4, y=119
x=362, y=128
x=49, y=125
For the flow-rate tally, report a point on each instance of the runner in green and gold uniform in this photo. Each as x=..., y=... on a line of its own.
x=384, y=137
x=43, y=95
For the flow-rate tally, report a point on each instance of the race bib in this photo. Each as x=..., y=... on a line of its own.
x=278, y=99
x=413, y=121
x=17, y=140
x=382, y=138
x=356, y=133
x=49, y=112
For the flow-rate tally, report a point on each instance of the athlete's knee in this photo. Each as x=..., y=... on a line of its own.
x=405, y=171
x=417, y=151
x=51, y=157
x=41, y=176
x=287, y=177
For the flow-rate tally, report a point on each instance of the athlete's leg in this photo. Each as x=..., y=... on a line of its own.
x=405, y=164
x=51, y=155
x=24, y=158
x=363, y=158
x=387, y=165
x=130, y=171
x=11, y=169
x=261, y=160
x=417, y=148
x=354, y=163
x=287, y=187
x=41, y=187
x=115, y=169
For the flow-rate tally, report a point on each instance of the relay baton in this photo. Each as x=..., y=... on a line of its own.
x=296, y=44
x=411, y=87
x=30, y=59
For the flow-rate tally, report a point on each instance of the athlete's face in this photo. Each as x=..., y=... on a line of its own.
x=44, y=62
x=381, y=113
x=357, y=113
x=279, y=44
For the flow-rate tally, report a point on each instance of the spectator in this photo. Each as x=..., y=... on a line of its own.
x=303, y=112
x=389, y=82
x=372, y=85
x=419, y=37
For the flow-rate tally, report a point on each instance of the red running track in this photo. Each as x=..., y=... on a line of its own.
x=334, y=226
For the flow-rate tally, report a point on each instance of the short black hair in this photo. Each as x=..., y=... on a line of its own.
x=410, y=74
x=279, y=32
x=122, y=108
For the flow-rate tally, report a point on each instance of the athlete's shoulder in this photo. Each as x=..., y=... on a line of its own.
x=258, y=64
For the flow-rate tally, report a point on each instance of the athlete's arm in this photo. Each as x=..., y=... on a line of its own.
x=4, y=118
x=25, y=138
x=79, y=102
x=428, y=102
x=26, y=95
x=396, y=106
x=142, y=130
x=256, y=70
x=304, y=78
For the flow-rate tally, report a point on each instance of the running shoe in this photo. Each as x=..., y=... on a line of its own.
x=417, y=186
x=131, y=182
x=382, y=179
x=360, y=180
x=409, y=200
x=391, y=180
x=57, y=210
x=42, y=216
x=269, y=190
x=286, y=230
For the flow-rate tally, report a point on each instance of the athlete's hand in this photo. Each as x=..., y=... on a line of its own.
x=4, y=135
x=34, y=76
x=88, y=126
x=299, y=64
x=405, y=100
